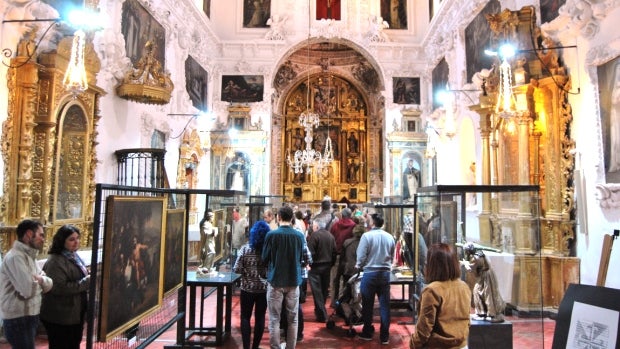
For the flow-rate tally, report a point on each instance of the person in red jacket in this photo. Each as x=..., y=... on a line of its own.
x=341, y=230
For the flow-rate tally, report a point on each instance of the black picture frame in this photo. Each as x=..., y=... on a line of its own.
x=138, y=27
x=132, y=282
x=196, y=83
x=406, y=90
x=592, y=296
x=242, y=88
x=256, y=13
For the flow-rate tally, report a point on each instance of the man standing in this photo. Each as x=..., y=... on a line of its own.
x=21, y=285
x=283, y=252
x=341, y=230
x=323, y=248
x=270, y=219
x=375, y=254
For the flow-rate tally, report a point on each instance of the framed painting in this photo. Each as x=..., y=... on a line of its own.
x=138, y=27
x=320, y=139
x=174, y=250
x=256, y=13
x=132, y=262
x=439, y=80
x=328, y=9
x=550, y=9
x=242, y=88
x=478, y=38
x=395, y=13
x=206, y=7
x=196, y=83
x=406, y=90
x=609, y=99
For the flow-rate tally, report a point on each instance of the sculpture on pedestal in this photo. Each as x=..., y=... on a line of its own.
x=488, y=302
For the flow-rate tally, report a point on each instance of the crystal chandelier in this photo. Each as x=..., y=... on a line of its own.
x=505, y=107
x=75, y=80
x=309, y=158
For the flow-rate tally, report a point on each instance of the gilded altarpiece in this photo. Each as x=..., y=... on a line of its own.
x=343, y=118
x=533, y=146
x=49, y=144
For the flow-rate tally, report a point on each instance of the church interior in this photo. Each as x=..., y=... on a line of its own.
x=500, y=116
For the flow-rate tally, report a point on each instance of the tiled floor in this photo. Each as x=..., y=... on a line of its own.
x=527, y=332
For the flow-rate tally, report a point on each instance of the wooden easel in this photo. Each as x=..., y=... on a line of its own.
x=608, y=242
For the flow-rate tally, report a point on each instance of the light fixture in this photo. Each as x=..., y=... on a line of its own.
x=506, y=103
x=309, y=159
x=76, y=79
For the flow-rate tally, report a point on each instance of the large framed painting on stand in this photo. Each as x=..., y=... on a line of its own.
x=132, y=262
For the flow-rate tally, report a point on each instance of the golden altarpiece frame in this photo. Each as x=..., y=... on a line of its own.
x=49, y=140
x=532, y=147
x=343, y=118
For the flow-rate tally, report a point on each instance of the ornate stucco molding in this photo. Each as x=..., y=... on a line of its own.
x=579, y=17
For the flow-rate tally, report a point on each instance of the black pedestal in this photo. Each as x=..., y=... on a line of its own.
x=484, y=334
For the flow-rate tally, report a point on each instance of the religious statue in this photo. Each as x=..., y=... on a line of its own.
x=488, y=303
x=207, y=242
x=411, y=181
x=353, y=143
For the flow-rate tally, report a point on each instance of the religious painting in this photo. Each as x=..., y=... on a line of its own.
x=242, y=88
x=609, y=99
x=328, y=9
x=439, y=80
x=196, y=83
x=222, y=230
x=550, y=9
x=406, y=90
x=139, y=27
x=132, y=262
x=174, y=248
x=478, y=38
x=319, y=140
x=206, y=7
x=395, y=13
x=256, y=13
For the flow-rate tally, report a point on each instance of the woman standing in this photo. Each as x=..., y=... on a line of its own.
x=443, y=318
x=63, y=309
x=253, y=284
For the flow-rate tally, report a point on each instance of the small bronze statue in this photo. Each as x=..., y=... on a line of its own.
x=488, y=302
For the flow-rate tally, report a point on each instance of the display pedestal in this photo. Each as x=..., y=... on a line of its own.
x=484, y=334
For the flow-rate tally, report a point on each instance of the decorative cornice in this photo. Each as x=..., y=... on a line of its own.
x=579, y=17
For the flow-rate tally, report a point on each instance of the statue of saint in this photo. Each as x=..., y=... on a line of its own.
x=207, y=243
x=488, y=302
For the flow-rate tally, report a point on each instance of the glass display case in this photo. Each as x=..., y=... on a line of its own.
x=500, y=225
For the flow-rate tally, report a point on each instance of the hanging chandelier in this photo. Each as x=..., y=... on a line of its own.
x=307, y=159
x=506, y=104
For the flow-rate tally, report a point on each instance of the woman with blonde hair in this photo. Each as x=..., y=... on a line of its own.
x=444, y=311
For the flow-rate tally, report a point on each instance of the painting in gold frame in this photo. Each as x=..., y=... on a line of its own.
x=174, y=250
x=132, y=262
x=222, y=232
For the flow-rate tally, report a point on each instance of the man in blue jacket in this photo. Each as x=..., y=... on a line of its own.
x=283, y=252
x=375, y=254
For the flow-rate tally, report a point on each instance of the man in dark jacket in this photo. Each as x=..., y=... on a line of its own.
x=323, y=248
x=283, y=252
x=341, y=230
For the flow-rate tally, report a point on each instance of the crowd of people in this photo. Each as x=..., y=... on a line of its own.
x=282, y=253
